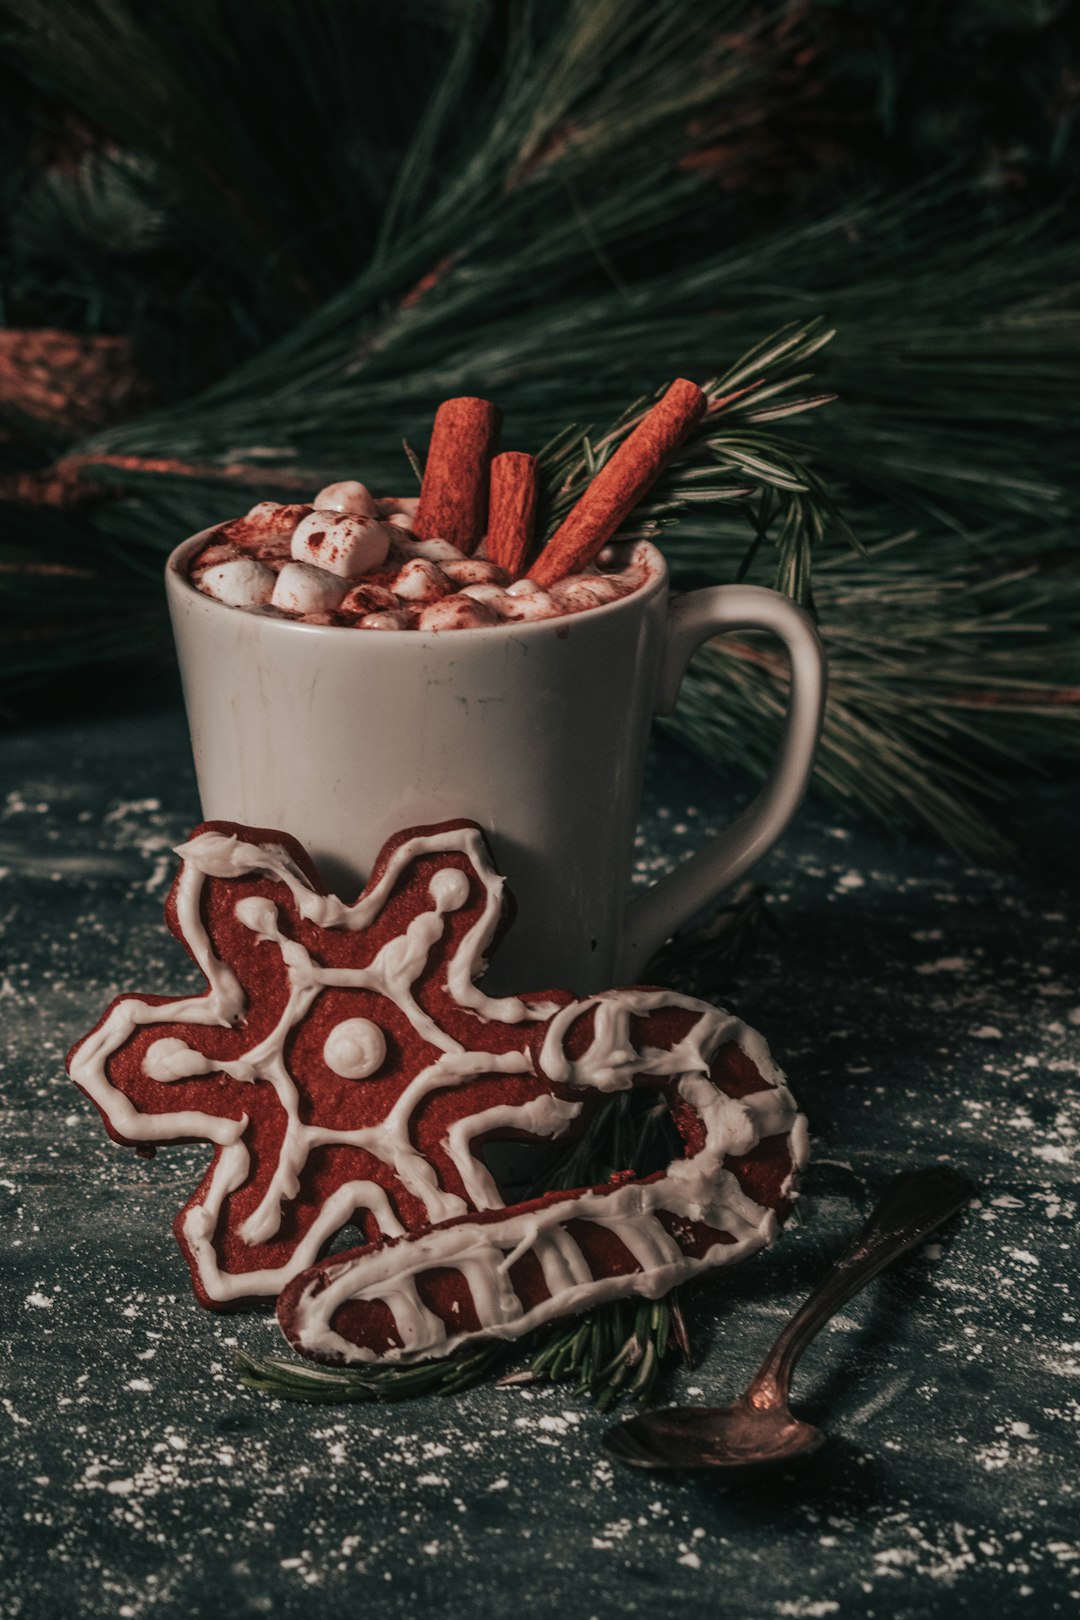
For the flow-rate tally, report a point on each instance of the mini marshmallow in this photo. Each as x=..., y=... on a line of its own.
x=400, y=520
x=577, y=593
x=267, y=520
x=421, y=581
x=240, y=583
x=456, y=613
x=368, y=599
x=274, y=554
x=493, y=595
x=341, y=543
x=385, y=621
x=397, y=505
x=608, y=588
x=529, y=606
x=474, y=571
x=522, y=587
x=272, y=547
x=301, y=588
x=439, y=551
x=348, y=496
x=211, y=555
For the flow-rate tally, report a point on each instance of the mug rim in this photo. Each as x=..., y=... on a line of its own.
x=177, y=577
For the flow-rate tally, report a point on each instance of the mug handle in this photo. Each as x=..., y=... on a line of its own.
x=694, y=618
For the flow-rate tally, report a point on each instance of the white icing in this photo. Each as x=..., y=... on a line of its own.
x=450, y=888
x=546, y=1115
x=697, y=1188
x=355, y=1048
x=170, y=1059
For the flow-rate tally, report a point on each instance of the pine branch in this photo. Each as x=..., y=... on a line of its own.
x=944, y=679
x=568, y=250
x=724, y=460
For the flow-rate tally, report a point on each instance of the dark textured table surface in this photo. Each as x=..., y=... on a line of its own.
x=923, y=1009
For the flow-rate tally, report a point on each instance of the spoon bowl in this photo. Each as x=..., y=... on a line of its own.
x=736, y=1436
x=759, y=1428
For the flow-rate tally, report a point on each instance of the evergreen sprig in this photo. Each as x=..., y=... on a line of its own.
x=295, y=1380
x=946, y=677
x=728, y=458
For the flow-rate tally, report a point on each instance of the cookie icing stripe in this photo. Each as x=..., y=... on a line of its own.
x=543, y=1116
x=484, y=1253
x=216, y=854
x=87, y=1069
x=199, y=1225
x=697, y=1188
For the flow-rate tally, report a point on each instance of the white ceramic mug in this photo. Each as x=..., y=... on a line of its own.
x=537, y=731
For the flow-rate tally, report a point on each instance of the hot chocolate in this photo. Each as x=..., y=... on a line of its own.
x=353, y=560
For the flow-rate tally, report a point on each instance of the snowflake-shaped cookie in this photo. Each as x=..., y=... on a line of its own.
x=347, y=1067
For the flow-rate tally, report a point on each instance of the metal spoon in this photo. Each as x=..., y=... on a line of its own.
x=758, y=1427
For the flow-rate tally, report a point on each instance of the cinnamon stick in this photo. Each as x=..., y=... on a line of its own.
x=454, y=493
x=620, y=484
x=511, y=510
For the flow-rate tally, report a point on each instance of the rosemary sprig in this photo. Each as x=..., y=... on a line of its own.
x=295, y=1380
x=616, y=1352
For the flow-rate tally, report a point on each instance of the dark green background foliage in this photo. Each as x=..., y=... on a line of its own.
x=314, y=220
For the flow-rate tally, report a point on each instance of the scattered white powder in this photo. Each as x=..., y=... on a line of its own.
x=335, y=1498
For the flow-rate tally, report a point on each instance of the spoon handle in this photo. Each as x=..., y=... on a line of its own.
x=914, y=1203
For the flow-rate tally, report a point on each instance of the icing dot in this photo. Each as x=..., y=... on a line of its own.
x=449, y=889
x=258, y=915
x=355, y=1048
x=169, y=1059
